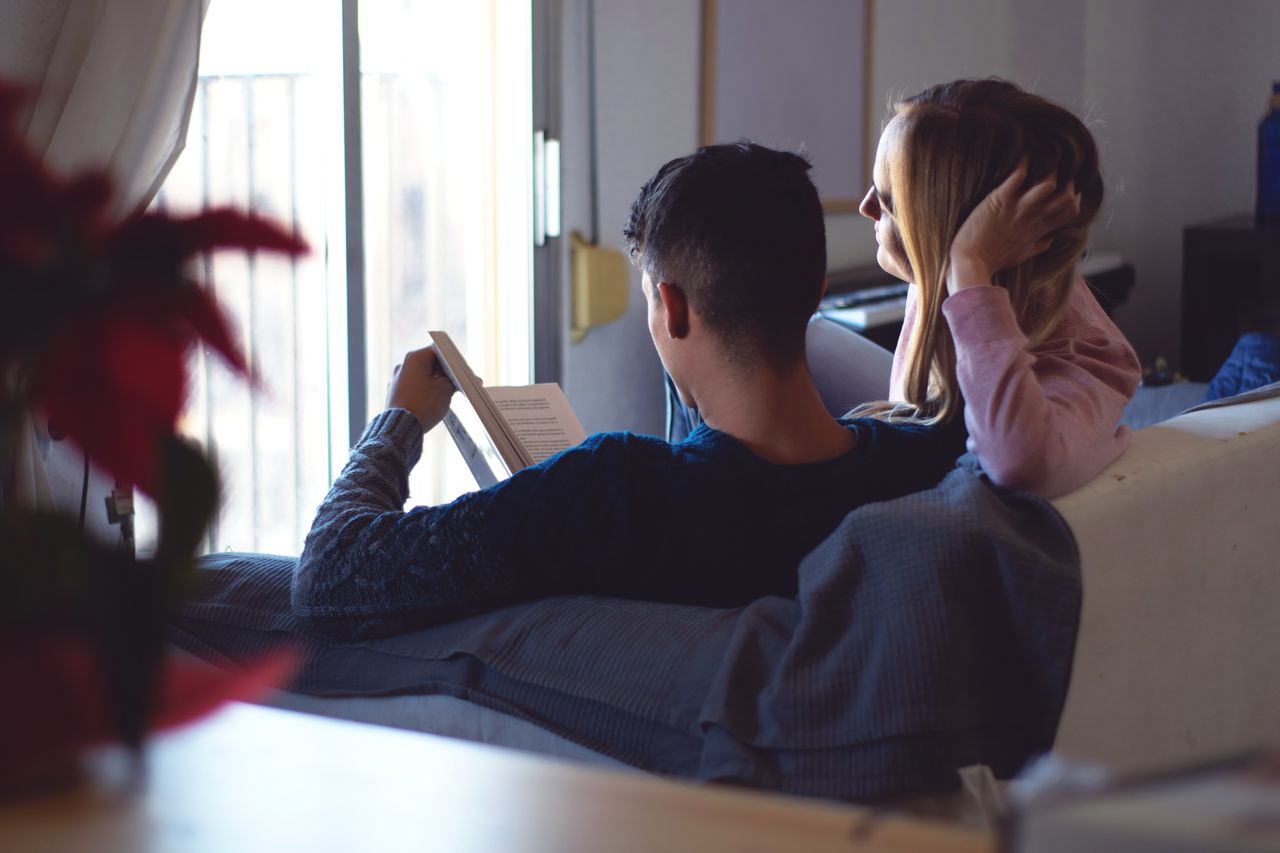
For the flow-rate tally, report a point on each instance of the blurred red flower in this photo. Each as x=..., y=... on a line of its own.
x=58, y=707
x=114, y=377
x=98, y=316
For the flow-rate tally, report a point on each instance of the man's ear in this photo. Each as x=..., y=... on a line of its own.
x=675, y=309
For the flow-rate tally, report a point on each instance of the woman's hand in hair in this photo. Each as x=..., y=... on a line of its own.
x=1008, y=227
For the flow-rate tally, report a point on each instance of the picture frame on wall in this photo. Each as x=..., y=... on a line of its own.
x=793, y=76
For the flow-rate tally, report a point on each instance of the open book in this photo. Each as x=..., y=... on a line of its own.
x=500, y=430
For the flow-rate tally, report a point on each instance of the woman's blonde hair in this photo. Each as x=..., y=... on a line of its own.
x=956, y=143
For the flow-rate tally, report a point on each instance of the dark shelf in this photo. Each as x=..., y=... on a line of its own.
x=1230, y=286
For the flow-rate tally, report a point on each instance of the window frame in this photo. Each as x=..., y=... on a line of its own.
x=547, y=317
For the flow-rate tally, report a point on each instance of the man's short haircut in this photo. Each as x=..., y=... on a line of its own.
x=739, y=228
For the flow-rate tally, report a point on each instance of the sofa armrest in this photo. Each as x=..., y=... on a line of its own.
x=1179, y=644
x=847, y=368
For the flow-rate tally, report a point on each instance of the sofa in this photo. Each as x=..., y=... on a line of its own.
x=1178, y=655
x=1178, y=651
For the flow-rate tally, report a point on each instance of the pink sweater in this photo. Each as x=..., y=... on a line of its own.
x=1040, y=418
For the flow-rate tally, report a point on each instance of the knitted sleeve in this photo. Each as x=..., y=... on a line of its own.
x=368, y=568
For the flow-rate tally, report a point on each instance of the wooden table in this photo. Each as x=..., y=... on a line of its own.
x=252, y=778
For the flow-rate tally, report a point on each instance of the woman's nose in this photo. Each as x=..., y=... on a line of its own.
x=870, y=206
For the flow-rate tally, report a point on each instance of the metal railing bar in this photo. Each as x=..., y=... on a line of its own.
x=292, y=90
x=206, y=263
x=357, y=378
x=251, y=331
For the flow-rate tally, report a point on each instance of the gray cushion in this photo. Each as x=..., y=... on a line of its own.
x=930, y=633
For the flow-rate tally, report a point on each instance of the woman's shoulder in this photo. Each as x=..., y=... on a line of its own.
x=872, y=432
x=1084, y=319
x=1082, y=308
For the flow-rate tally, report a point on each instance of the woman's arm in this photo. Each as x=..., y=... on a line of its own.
x=1041, y=418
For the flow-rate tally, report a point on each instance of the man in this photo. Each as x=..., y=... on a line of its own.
x=732, y=248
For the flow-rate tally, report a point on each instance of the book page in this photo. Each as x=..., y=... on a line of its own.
x=540, y=416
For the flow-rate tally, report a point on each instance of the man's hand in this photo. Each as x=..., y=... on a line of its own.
x=420, y=386
x=1007, y=228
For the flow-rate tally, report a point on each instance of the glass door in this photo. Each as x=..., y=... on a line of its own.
x=410, y=173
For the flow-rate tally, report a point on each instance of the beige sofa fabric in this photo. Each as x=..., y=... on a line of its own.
x=1179, y=649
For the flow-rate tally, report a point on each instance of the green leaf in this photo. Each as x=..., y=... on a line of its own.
x=45, y=573
x=187, y=500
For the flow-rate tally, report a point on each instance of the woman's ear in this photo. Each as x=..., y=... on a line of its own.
x=675, y=309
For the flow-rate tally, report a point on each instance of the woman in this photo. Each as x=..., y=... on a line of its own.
x=983, y=195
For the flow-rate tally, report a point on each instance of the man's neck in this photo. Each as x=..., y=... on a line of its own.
x=778, y=415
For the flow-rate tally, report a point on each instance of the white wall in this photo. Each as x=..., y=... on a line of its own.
x=1178, y=88
x=647, y=95
x=1172, y=89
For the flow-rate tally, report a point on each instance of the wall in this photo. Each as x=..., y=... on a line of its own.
x=916, y=43
x=647, y=58
x=1172, y=89
x=1177, y=88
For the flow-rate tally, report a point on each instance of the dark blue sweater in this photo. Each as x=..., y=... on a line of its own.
x=701, y=522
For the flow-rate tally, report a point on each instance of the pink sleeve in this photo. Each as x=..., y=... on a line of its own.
x=1041, y=418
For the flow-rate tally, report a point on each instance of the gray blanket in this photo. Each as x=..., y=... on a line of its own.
x=930, y=633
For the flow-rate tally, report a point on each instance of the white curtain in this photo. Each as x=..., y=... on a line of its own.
x=115, y=81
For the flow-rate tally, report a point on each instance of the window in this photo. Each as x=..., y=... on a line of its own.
x=443, y=200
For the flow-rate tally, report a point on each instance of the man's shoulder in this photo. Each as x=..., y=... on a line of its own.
x=598, y=466
x=881, y=439
x=624, y=441
x=877, y=428
x=906, y=447
x=612, y=446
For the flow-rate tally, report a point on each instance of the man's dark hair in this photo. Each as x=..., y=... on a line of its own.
x=739, y=229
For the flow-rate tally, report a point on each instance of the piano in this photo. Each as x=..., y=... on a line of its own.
x=872, y=302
